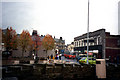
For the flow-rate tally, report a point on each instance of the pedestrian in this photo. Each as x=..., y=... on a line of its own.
x=60, y=56
x=117, y=59
x=51, y=56
x=48, y=57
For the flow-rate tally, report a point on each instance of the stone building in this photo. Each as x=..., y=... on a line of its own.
x=70, y=47
x=100, y=41
x=59, y=44
x=29, y=53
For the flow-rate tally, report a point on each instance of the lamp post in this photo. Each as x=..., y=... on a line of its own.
x=88, y=34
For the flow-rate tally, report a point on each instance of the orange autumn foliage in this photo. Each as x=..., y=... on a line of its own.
x=10, y=39
x=48, y=42
x=25, y=40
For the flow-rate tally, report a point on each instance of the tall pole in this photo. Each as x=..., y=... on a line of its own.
x=88, y=34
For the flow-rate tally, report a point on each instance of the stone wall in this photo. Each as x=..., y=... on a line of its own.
x=51, y=72
x=58, y=72
x=40, y=53
x=113, y=72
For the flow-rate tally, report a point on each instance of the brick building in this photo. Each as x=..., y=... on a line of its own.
x=112, y=46
x=105, y=44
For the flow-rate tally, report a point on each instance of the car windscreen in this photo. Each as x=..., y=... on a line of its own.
x=66, y=52
x=72, y=54
x=91, y=58
x=83, y=58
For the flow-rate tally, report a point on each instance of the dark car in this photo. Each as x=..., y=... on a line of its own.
x=6, y=53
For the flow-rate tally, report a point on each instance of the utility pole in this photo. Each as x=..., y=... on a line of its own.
x=88, y=34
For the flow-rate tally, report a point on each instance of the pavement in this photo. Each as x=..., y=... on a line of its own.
x=58, y=61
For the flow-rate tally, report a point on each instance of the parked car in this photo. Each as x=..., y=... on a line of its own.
x=91, y=60
x=80, y=56
x=70, y=55
x=6, y=53
x=66, y=53
x=73, y=56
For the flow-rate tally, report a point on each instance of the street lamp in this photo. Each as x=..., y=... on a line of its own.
x=88, y=34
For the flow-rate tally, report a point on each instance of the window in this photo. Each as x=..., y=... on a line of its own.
x=90, y=58
x=82, y=43
x=119, y=42
x=79, y=43
x=99, y=40
x=74, y=44
x=91, y=44
x=95, y=39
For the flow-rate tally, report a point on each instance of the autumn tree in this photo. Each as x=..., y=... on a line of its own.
x=31, y=48
x=9, y=39
x=48, y=43
x=36, y=43
x=25, y=41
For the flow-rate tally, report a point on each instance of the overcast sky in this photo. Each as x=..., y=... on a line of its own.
x=60, y=18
